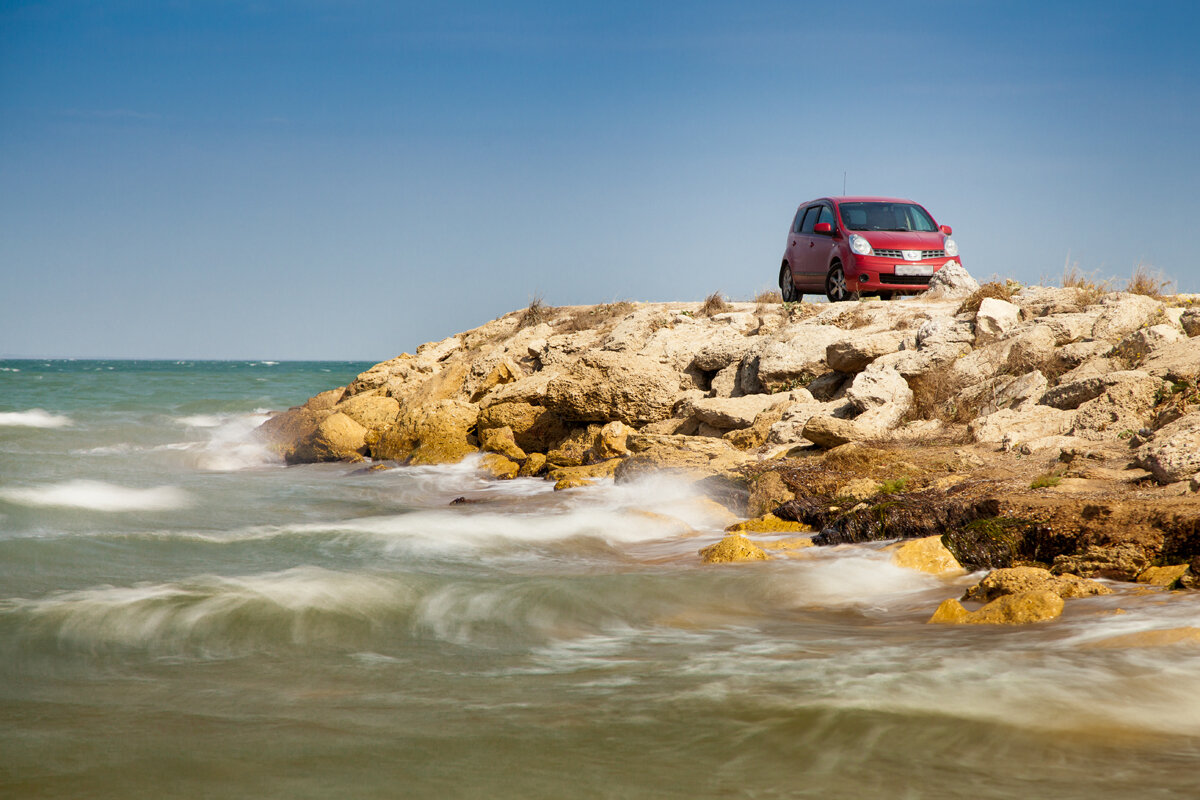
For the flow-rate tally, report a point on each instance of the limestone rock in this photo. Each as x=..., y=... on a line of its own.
x=576, y=448
x=767, y=493
x=1123, y=561
x=373, y=412
x=1174, y=452
x=610, y=441
x=1011, y=426
x=1190, y=322
x=1019, y=609
x=533, y=466
x=603, y=386
x=768, y=523
x=759, y=431
x=687, y=454
x=950, y=612
x=927, y=554
x=437, y=433
x=325, y=401
x=1072, y=394
x=733, y=547
x=829, y=432
x=500, y=440
x=1016, y=580
x=1176, y=361
x=853, y=355
x=572, y=483
x=284, y=431
x=1142, y=342
x=995, y=319
x=786, y=364
x=722, y=350
x=591, y=472
x=499, y=466
x=1166, y=577
x=336, y=438
x=726, y=413
x=951, y=281
x=859, y=489
x=881, y=396
x=534, y=428
x=1122, y=314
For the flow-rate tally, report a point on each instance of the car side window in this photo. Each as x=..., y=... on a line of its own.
x=797, y=220
x=810, y=219
x=827, y=216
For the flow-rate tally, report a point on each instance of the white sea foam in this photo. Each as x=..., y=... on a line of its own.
x=855, y=578
x=97, y=496
x=231, y=444
x=33, y=418
x=201, y=420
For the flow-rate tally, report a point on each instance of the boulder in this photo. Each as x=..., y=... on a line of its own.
x=1015, y=580
x=1176, y=361
x=952, y=281
x=576, y=448
x=927, y=554
x=325, y=401
x=1144, y=341
x=610, y=441
x=1123, y=561
x=283, y=432
x=1174, y=452
x=729, y=413
x=1011, y=609
x=373, y=412
x=438, y=433
x=604, y=386
x=1123, y=408
x=854, y=354
x=336, y=438
x=1122, y=314
x=696, y=456
x=859, y=489
x=881, y=396
x=723, y=348
x=534, y=428
x=1166, y=577
x=769, y=523
x=499, y=466
x=733, y=547
x=500, y=440
x=757, y=434
x=995, y=319
x=1070, y=394
x=534, y=464
x=829, y=432
x=589, y=472
x=786, y=364
x=1010, y=427
x=767, y=493
x=1032, y=349
x=1190, y=322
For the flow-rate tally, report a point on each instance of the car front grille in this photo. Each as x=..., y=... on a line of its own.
x=904, y=280
x=900, y=253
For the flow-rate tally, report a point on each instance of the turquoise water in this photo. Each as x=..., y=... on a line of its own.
x=183, y=616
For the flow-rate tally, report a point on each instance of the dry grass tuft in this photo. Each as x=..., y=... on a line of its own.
x=715, y=303
x=1087, y=287
x=1000, y=291
x=535, y=313
x=768, y=297
x=595, y=316
x=1148, y=281
x=939, y=394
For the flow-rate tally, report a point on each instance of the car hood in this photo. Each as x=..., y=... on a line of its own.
x=904, y=240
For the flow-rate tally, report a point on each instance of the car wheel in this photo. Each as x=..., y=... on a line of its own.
x=835, y=285
x=787, y=286
x=886, y=295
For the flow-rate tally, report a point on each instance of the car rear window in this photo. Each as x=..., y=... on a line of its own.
x=886, y=217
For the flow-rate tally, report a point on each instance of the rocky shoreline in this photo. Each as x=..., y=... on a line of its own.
x=999, y=427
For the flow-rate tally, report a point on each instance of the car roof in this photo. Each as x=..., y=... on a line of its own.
x=858, y=199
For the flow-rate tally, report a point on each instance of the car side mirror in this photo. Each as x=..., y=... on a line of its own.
x=823, y=227
x=946, y=230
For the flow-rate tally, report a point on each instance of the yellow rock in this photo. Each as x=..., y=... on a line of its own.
x=927, y=555
x=733, y=547
x=604, y=469
x=1159, y=638
x=500, y=440
x=1011, y=609
x=572, y=483
x=533, y=465
x=1163, y=576
x=498, y=466
x=768, y=523
x=785, y=545
x=950, y=612
x=1019, y=609
x=1015, y=580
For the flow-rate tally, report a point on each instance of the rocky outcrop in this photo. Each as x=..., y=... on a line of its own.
x=1016, y=580
x=1173, y=454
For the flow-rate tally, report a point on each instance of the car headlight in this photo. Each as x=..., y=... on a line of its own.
x=951, y=247
x=860, y=245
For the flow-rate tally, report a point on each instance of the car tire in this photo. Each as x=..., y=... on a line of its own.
x=835, y=285
x=787, y=286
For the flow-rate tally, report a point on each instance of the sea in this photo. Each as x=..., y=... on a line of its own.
x=184, y=616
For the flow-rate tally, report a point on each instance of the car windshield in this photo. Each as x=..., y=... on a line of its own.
x=886, y=217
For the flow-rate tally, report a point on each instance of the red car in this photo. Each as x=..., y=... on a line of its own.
x=847, y=247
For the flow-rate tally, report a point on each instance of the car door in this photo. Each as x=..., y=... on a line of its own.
x=799, y=251
x=813, y=249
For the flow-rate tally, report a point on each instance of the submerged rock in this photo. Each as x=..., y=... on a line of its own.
x=1018, y=580
x=1010, y=609
x=733, y=547
x=925, y=555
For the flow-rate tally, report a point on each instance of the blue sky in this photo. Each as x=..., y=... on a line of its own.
x=350, y=179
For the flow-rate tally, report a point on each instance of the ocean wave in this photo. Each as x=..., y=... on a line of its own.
x=218, y=616
x=97, y=496
x=33, y=418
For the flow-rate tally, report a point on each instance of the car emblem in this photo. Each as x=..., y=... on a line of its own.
x=912, y=255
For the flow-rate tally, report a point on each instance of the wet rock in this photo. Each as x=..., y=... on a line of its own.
x=698, y=456
x=437, y=433
x=767, y=493
x=499, y=466
x=373, y=412
x=500, y=440
x=1016, y=580
x=927, y=554
x=1174, y=452
x=768, y=523
x=336, y=438
x=534, y=464
x=1011, y=609
x=1167, y=577
x=572, y=483
x=576, y=448
x=1121, y=561
x=733, y=547
x=603, y=469
x=284, y=431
